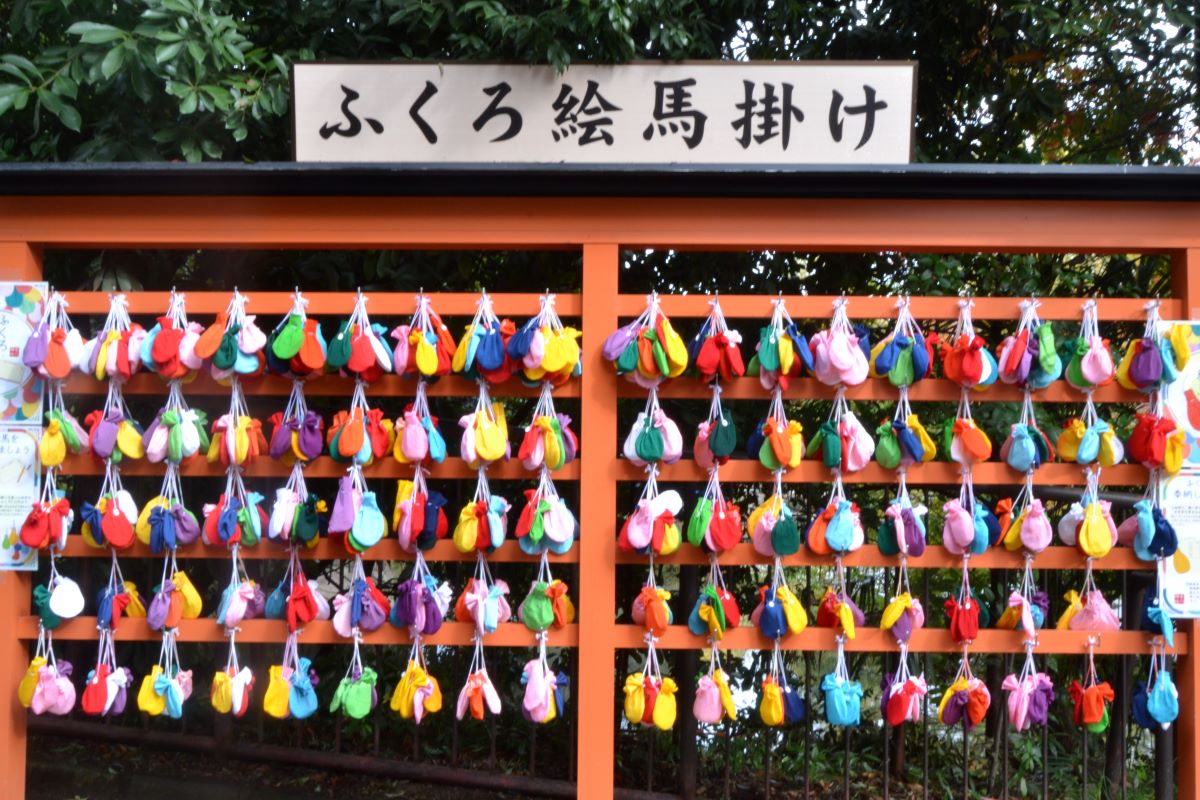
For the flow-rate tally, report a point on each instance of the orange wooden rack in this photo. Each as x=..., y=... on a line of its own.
x=598, y=228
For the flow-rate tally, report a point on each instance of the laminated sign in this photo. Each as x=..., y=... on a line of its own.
x=697, y=113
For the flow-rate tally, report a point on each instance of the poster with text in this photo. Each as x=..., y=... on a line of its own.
x=20, y=388
x=20, y=477
x=1179, y=579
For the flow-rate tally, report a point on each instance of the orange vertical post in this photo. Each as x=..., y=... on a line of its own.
x=597, y=513
x=19, y=261
x=1185, y=284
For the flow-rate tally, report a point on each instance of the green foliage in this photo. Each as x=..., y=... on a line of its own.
x=1080, y=80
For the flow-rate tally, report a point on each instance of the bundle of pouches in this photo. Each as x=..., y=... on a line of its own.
x=1027, y=446
x=482, y=524
x=838, y=610
x=715, y=524
x=296, y=348
x=1088, y=523
x=237, y=438
x=169, y=348
x=965, y=700
x=546, y=523
x=114, y=354
x=967, y=522
x=359, y=349
x=363, y=607
x=110, y=522
x=1091, y=700
x=843, y=697
x=421, y=603
x=964, y=441
x=232, y=687
x=356, y=694
x=548, y=603
x=840, y=353
x=55, y=346
x=297, y=434
x=544, y=697
x=50, y=518
x=965, y=358
x=716, y=436
x=1156, y=700
x=112, y=433
x=478, y=694
x=963, y=612
x=714, y=699
x=419, y=516
x=424, y=347
x=902, y=695
x=716, y=609
x=1148, y=531
x=482, y=352
x=177, y=432
x=902, y=526
x=1088, y=611
x=648, y=350
x=772, y=525
x=291, y=685
x=652, y=526
x=356, y=515
x=782, y=351
x=779, y=611
x=842, y=442
x=1090, y=440
x=106, y=689
x=176, y=598
x=62, y=435
x=904, y=613
x=233, y=344
x=167, y=687
x=1030, y=529
x=1029, y=357
x=485, y=432
x=238, y=517
x=242, y=597
x=548, y=441
x=1088, y=357
x=1158, y=358
x=1157, y=443
x=654, y=437
x=418, y=692
x=1030, y=696
x=776, y=441
x=361, y=434
x=544, y=349
x=1025, y=608
x=714, y=352
x=297, y=515
x=483, y=601
x=904, y=441
x=650, y=697
x=165, y=522
x=838, y=528
x=903, y=356
x=46, y=686
x=779, y=704
x=650, y=608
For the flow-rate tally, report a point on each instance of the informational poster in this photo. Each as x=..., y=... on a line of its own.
x=1179, y=581
x=21, y=478
x=20, y=389
x=778, y=112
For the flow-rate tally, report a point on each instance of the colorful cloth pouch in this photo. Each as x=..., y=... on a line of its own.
x=782, y=351
x=840, y=353
x=425, y=348
x=652, y=526
x=965, y=357
x=647, y=351
x=714, y=351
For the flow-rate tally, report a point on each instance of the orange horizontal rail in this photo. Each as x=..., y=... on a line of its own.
x=874, y=640
x=145, y=383
x=266, y=631
x=934, y=557
x=934, y=473
x=325, y=550
x=321, y=467
x=753, y=306
x=519, y=305
x=930, y=390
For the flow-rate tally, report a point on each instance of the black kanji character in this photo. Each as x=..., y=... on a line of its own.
x=494, y=109
x=774, y=118
x=415, y=112
x=869, y=108
x=576, y=115
x=353, y=124
x=673, y=101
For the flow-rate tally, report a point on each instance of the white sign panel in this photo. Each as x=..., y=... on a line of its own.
x=1179, y=580
x=699, y=113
